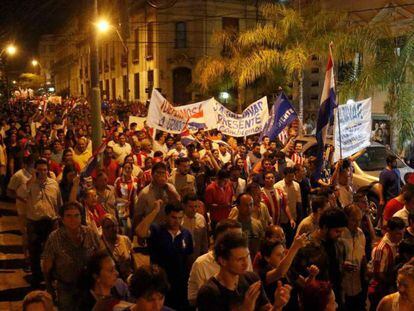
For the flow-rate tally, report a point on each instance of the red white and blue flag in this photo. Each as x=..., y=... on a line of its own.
x=326, y=113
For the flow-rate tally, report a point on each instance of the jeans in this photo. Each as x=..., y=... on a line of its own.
x=37, y=233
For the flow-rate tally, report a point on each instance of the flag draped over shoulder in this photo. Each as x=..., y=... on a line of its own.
x=325, y=115
x=281, y=115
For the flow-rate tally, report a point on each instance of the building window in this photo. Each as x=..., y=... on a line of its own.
x=106, y=59
x=136, y=86
x=150, y=40
x=113, y=88
x=135, y=52
x=230, y=24
x=181, y=82
x=180, y=35
x=101, y=86
x=150, y=77
x=113, y=57
x=315, y=83
x=125, y=86
x=107, y=88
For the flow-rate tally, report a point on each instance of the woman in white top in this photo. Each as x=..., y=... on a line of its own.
x=403, y=300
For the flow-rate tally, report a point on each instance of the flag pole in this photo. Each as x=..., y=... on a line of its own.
x=337, y=110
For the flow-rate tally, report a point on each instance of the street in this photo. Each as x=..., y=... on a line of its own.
x=13, y=285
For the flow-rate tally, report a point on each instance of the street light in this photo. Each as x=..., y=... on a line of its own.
x=103, y=26
x=35, y=63
x=10, y=49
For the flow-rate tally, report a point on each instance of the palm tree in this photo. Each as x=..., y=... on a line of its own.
x=289, y=38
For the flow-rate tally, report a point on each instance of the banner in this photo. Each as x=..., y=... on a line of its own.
x=162, y=115
x=355, y=121
x=281, y=115
x=250, y=122
x=138, y=120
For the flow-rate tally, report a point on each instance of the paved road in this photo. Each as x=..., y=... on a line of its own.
x=13, y=285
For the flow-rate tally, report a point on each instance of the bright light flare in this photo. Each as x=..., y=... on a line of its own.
x=35, y=63
x=11, y=50
x=102, y=26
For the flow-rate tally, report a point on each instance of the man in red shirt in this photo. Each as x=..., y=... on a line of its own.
x=393, y=206
x=219, y=197
x=110, y=166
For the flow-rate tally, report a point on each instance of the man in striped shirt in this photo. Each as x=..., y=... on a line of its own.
x=382, y=262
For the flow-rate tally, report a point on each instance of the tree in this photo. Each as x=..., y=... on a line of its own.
x=284, y=42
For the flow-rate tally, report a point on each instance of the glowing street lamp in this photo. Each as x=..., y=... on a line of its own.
x=35, y=63
x=10, y=49
x=103, y=26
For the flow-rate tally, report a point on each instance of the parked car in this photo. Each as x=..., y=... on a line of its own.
x=367, y=168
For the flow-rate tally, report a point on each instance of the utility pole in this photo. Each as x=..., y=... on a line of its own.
x=95, y=90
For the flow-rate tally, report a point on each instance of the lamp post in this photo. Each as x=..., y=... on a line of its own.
x=104, y=26
x=9, y=50
x=36, y=63
x=95, y=90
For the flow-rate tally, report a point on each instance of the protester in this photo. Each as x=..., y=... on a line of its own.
x=170, y=247
x=38, y=301
x=66, y=253
x=196, y=224
x=149, y=286
x=43, y=203
x=383, y=258
x=311, y=223
x=404, y=298
x=216, y=177
x=100, y=282
x=355, y=265
x=205, y=266
x=325, y=250
x=118, y=246
x=233, y=287
x=219, y=197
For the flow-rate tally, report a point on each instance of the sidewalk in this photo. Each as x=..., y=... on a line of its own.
x=13, y=286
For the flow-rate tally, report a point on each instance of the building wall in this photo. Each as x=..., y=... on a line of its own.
x=201, y=19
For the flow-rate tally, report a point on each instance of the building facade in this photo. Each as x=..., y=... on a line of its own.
x=164, y=46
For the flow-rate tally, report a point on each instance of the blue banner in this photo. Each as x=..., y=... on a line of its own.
x=281, y=115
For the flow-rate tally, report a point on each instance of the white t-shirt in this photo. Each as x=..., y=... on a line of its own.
x=403, y=214
x=293, y=196
x=121, y=152
x=18, y=183
x=202, y=270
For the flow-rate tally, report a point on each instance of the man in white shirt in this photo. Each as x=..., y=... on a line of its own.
x=206, y=266
x=354, y=241
x=197, y=225
x=408, y=209
x=121, y=149
x=291, y=190
x=225, y=156
x=17, y=190
x=43, y=203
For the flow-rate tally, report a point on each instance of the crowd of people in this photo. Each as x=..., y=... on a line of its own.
x=227, y=223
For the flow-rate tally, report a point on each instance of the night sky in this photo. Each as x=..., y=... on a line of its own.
x=24, y=21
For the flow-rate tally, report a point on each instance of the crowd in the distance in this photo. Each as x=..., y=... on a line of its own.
x=227, y=224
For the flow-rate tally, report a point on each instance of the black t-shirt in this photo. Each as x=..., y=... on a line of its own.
x=214, y=296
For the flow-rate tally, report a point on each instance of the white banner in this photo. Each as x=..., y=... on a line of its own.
x=250, y=122
x=165, y=117
x=356, y=123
